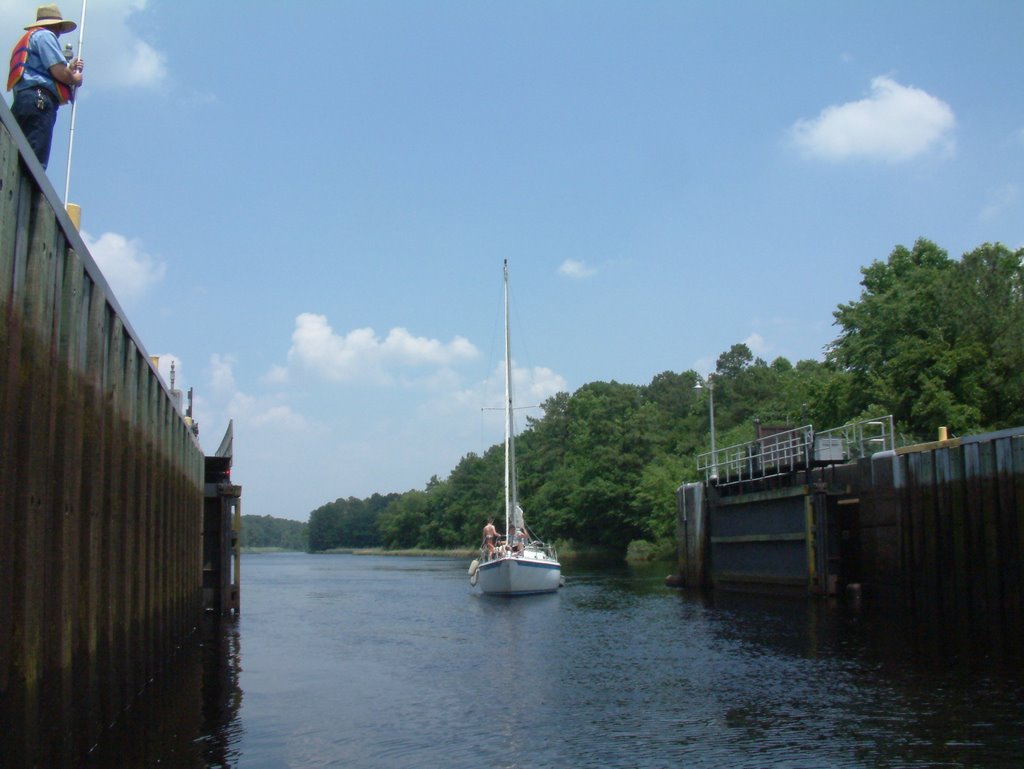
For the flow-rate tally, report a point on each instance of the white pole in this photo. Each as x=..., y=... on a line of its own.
x=74, y=107
x=711, y=411
x=510, y=456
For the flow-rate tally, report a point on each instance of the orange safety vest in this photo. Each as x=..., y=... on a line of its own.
x=18, y=58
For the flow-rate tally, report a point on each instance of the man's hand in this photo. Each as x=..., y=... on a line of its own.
x=68, y=74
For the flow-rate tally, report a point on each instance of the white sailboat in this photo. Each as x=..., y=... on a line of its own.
x=520, y=564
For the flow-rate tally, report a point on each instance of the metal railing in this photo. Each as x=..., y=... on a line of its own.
x=775, y=454
x=796, y=449
x=856, y=440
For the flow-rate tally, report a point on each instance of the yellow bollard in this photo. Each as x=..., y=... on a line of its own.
x=75, y=212
x=943, y=434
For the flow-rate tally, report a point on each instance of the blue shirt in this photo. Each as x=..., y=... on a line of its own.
x=43, y=52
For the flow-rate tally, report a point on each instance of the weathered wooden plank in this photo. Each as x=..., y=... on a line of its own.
x=1018, y=517
x=131, y=503
x=1008, y=566
x=49, y=376
x=960, y=575
x=147, y=516
x=91, y=381
x=167, y=584
x=975, y=532
x=912, y=540
x=40, y=265
x=34, y=452
x=10, y=182
x=930, y=577
x=111, y=660
x=70, y=460
x=989, y=509
x=11, y=199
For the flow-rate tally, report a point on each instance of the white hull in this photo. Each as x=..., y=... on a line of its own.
x=519, y=575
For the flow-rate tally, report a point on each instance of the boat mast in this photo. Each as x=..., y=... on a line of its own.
x=510, y=451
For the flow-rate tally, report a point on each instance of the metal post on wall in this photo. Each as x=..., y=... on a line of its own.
x=711, y=420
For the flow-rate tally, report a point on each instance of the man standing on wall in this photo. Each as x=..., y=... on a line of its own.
x=41, y=78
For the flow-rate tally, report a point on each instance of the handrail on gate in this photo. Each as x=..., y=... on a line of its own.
x=861, y=438
x=796, y=449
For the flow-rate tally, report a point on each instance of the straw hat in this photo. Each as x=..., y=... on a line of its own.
x=50, y=16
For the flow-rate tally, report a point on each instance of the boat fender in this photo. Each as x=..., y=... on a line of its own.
x=474, y=566
x=473, y=579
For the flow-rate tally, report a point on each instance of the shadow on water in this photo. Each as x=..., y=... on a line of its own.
x=391, y=663
x=188, y=716
x=812, y=625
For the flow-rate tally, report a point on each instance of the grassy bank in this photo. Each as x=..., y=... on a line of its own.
x=449, y=553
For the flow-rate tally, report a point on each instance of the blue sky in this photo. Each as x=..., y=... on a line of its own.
x=306, y=206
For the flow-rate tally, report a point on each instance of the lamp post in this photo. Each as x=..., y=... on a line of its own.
x=711, y=420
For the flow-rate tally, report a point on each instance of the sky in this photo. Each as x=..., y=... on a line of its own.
x=305, y=207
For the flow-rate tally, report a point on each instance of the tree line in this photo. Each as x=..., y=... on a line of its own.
x=268, y=532
x=931, y=340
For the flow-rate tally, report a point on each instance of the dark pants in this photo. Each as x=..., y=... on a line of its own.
x=35, y=109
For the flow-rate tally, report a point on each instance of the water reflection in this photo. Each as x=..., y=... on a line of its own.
x=188, y=717
x=396, y=662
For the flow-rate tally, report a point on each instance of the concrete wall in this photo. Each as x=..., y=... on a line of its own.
x=101, y=487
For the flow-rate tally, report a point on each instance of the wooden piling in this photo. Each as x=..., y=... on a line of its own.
x=936, y=529
x=101, y=488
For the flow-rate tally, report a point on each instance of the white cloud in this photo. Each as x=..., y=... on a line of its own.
x=221, y=374
x=266, y=412
x=115, y=56
x=361, y=354
x=276, y=375
x=757, y=345
x=220, y=399
x=531, y=386
x=129, y=270
x=574, y=268
x=536, y=385
x=895, y=123
x=281, y=417
x=140, y=65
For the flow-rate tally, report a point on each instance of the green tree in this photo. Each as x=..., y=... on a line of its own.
x=935, y=341
x=402, y=522
x=991, y=314
x=656, y=494
x=325, y=527
x=267, y=531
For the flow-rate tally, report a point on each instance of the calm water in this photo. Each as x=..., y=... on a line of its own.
x=365, y=662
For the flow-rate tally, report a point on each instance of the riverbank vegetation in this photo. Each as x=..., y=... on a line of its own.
x=931, y=340
x=264, y=533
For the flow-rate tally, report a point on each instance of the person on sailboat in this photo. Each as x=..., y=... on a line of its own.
x=519, y=540
x=490, y=537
